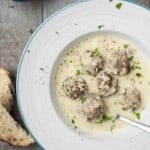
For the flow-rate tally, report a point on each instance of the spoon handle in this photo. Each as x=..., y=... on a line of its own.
x=134, y=123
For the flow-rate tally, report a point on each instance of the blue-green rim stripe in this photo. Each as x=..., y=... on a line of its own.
x=30, y=40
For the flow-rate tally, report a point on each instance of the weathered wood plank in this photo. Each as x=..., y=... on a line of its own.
x=145, y=2
x=16, y=19
x=50, y=6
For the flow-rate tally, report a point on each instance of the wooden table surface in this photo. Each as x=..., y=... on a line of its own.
x=17, y=20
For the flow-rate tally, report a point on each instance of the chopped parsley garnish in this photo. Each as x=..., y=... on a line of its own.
x=124, y=109
x=78, y=73
x=73, y=121
x=28, y=51
x=119, y=5
x=31, y=31
x=82, y=99
x=140, y=82
x=104, y=119
x=11, y=6
x=130, y=58
x=17, y=43
x=95, y=52
x=100, y=27
x=137, y=67
x=42, y=69
x=138, y=75
x=70, y=61
x=126, y=46
x=57, y=32
x=110, y=0
x=138, y=115
x=112, y=127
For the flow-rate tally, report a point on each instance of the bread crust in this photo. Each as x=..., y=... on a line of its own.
x=11, y=131
x=6, y=89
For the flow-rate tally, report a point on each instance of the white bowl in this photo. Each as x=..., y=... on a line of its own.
x=36, y=89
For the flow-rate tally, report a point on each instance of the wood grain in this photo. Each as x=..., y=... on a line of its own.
x=51, y=6
x=144, y=2
x=16, y=19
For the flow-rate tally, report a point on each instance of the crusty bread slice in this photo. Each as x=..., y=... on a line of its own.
x=11, y=131
x=6, y=89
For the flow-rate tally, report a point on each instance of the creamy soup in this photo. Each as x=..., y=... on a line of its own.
x=138, y=77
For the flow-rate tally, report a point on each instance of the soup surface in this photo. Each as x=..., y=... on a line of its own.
x=138, y=77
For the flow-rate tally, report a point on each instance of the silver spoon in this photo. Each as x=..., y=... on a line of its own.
x=134, y=123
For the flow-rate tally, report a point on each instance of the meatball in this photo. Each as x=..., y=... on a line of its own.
x=74, y=87
x=92, y=62
x=131, y=98
x=107, y=84
x=94, y=106
x=118, y=63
